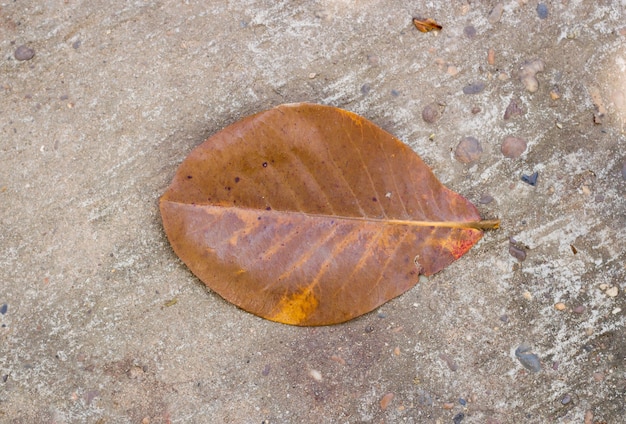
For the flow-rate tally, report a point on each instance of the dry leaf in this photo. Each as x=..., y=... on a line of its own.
x=287, y=214
x=426, y=25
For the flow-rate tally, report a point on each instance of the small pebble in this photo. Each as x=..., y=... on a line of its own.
x=555, y=93
x=513, y=147
x=504, y=318
x=316, y=375
x=469, y=31
x=566, y=399
x=531, y=179
x=491, y=57
x=579, y=309
x=431, y=113
x=312, y=75
x=560, y=306
x=468, y=150
x=475, y=110
x=76, y=44
x=485, y=199
x=496, y=13
x=395, y=93
x=386, y=400
x=530, y=361
x=517, y=251
x=588, y=416
x=598, y=376
x=612, y=292
x=542, y=10
x=365, y=88
x=24, y=53
x=616, y=311
x=527, y=74
x=462, y=401
x=4, y=308
x=474, y=88
x=458, y=418
x=448, y=405
x=513, y=109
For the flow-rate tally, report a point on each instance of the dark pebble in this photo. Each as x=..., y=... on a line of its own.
x=530, y=361
x=76, y=44
x=469, y=31
x=579, y=309
x=504, y=318
x=395, y=93
x=369, y=329
x=566, y=399
x=462, y=401
x=431, y=113
x=365, y=88
x=513, y=109
x=542, y=10
x=4, y=308
x=474, y=88
x=516, y=250
x=513, y=147
x=458, y=418
x=468, y=150
x=531, y=179
x=624, y=170
x=485, y=199
x=24, y=53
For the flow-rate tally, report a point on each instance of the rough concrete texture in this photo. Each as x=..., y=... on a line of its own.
x=103, y=324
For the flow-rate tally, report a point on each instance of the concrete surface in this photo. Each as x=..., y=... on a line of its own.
x=103, y=324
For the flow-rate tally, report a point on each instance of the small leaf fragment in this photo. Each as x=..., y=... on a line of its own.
x=426, y=25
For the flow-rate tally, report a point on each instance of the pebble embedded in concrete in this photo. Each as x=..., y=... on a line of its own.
x=528, y=74
x=24, y=52
x=474, y=88
x=513, y=109
x=432, y=113
x=529, y=360
x=468, y=150
x=513, y=147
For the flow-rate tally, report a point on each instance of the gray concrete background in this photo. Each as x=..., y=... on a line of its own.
x=103, y=324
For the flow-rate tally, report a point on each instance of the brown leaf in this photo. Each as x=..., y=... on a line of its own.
x=312, y=215
x=426, y=25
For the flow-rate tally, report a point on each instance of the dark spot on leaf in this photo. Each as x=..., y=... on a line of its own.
x=189, y=177
x=236, y=179
x=264, y=164
x=374, y=199
x=227, y=188
x=268, y=208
